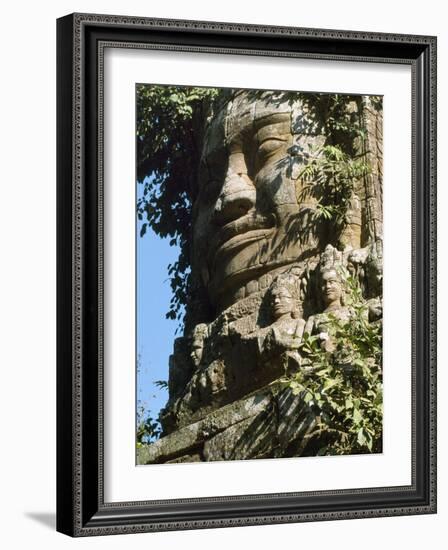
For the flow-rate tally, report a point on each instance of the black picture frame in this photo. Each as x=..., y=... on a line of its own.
x=81, y=510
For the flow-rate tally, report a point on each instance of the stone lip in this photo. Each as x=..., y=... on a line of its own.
x=250, y=225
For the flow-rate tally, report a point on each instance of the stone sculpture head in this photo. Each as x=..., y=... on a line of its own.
x=246, y=215
x=197, y=343
x=332, y=289
x=285, y=298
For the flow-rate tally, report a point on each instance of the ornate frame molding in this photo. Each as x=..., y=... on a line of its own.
x=81, y=42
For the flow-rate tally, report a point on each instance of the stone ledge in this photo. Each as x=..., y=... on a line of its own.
x=271, y=423
x=189, y=438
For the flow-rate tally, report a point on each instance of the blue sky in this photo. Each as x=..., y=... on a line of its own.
x=155, y=333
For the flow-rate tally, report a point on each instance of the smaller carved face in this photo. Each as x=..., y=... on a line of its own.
x=197, y=344
x=282, y=302
x=331, y=287
x=196, y=354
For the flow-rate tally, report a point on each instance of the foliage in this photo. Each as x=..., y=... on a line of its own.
x=344, y=386
x=148, y=428
x=337, y=117
x=329, y=176
x=332, y=171
x=161, y=384
x=169, y=133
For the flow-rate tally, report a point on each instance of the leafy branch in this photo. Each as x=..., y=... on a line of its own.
x=329, y=176
x=344, y=387
x=148, y=428
x=168, y=138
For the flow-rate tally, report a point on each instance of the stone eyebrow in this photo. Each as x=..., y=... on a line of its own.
x=269, y=137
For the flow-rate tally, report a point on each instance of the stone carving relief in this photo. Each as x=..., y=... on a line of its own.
x=262, y=278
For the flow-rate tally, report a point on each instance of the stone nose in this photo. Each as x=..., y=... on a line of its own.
x=237, y=197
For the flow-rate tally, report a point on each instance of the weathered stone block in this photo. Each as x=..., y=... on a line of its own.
x=252, y=438
x=193, y=436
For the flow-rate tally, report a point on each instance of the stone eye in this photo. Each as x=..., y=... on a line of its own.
x=268, y=147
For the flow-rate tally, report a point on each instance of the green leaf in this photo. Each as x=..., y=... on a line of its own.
x=329, y=384
x=357, y=416
x=308, y=397
x=361, y=437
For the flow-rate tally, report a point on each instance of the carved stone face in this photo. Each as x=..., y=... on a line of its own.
x=331, y=288
x=282, y=302
x=197, y=344
x=246, y=216
x=196, y=354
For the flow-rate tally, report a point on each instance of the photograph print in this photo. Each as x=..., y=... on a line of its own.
x=259, y=244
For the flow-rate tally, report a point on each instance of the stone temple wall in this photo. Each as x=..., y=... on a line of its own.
x=266, y=273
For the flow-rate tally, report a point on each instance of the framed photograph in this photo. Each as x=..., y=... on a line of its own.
x=246, y=274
